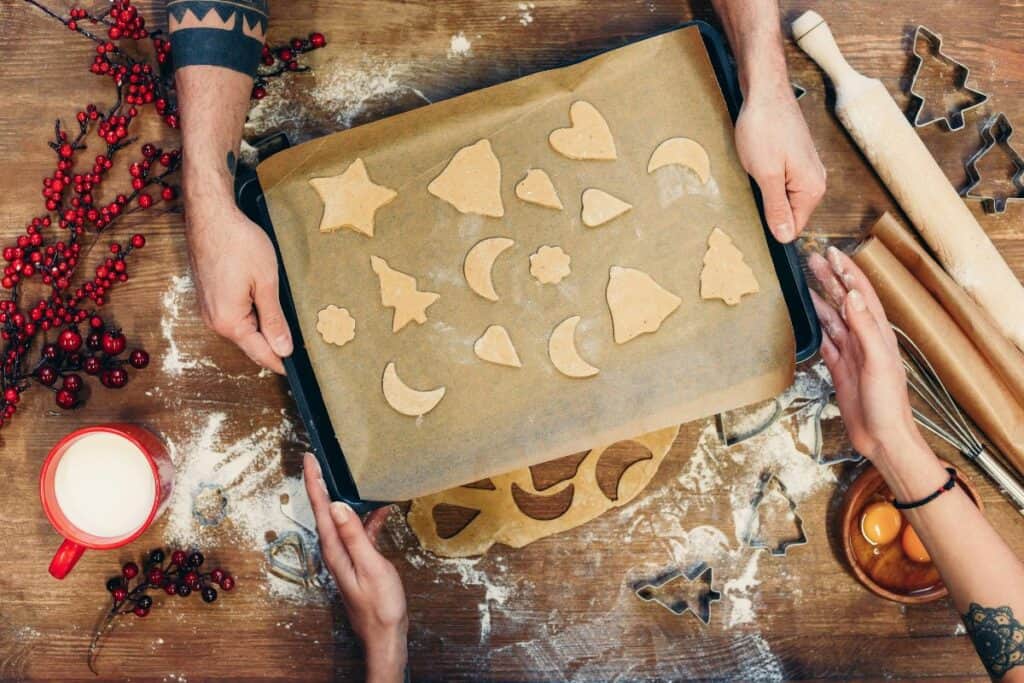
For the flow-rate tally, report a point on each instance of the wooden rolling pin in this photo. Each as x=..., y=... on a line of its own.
x=912, y=175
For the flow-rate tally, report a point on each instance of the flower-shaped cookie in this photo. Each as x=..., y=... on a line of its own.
x=549, y=265
x=336, y=325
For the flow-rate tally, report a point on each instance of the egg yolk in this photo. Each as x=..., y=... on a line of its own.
x=912, y=546
x=880, y=523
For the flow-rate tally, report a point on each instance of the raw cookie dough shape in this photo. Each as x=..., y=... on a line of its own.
x=725, y=275
x=479, y=264
x=398, y=291
x=336, y=325
x=537, y=188
x=471, y=182
x=563, y=353
x=351, y=199
x=549, y=265
x=406, y=400
x=495, y=346
x=638, y=304
x=599, y=207
x=500, y=520
x=587, y=138
x=684, y=152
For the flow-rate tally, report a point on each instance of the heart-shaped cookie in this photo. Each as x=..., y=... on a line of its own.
x=587, y=138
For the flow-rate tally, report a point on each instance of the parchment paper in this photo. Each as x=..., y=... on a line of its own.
x=706, y=358
x=961, y=367
x=1006, y=359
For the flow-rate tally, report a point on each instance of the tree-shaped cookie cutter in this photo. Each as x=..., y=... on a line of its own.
x=954, y=120
x=750, y=539
x=648, y=591
x=996, y=133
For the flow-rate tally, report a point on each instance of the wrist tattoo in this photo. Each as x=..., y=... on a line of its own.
x=226, y=33
x=998, y=637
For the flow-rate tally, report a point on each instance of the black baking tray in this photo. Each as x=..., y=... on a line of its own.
x=302, y=380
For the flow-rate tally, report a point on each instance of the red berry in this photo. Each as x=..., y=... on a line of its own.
x=139, y=611
x=138, y=241
x=92, y=365
x=168, y=193
x=258, y=93
x=11, y=395
x=145, y=201
x=114, y=342
x=96, y=322
x=317, y=39
x=73, y=383
x=217, y=575
x=171, y=589
x=50, y=352
x=114, y=379
x=155, y=576
x=70, y=340
x=178, y=557
x=192, y=580
x=139, y=359
x=120, y=594
x=65, y=399
x=227, y=583
x=66, y=151
x=130, y=570
x=47, y=375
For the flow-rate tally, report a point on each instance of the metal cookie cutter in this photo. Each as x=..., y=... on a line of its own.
x=759, y=543
x=927, y=44
x=798, y=90
x=997, y=132
x=655, y=591
x=293, y=555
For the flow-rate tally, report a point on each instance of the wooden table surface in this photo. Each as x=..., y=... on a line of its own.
x=561, y=608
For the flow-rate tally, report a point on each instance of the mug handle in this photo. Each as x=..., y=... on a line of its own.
x=66, y=558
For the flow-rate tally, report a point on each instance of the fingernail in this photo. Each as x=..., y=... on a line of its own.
x=834, y=260
x=310, y=458
x=784, y=231
x=856, y=300
x=341, y=512
x=283, y=345
x=847, y=279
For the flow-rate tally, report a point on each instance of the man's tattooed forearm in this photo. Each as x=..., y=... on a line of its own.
x=226, y=33
x=998, y=637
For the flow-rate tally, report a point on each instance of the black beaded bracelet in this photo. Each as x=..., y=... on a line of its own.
x=931, y=496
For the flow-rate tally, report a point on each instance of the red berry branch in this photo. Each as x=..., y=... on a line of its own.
x=78, y=210
x=181, y=576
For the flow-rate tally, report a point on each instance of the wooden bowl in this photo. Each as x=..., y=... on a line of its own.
x=921, y=582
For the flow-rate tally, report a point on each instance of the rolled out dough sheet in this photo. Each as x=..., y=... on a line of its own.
x=703, y=359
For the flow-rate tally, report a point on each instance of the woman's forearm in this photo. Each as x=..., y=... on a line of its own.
x=985, y=578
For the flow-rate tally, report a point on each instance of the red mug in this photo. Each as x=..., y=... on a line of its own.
x=100, y=496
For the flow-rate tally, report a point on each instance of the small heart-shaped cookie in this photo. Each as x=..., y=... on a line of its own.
x=589, y=136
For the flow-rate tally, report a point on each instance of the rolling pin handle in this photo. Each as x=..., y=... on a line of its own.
x=815, y=38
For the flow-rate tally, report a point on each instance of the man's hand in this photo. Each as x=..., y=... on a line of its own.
x=235, y=268
x=863, y=356
x=775, y=147
x=370, y=586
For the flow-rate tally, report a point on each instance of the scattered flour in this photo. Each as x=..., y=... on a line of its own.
x=525, y=11
x=176, y=361
x=459, y=46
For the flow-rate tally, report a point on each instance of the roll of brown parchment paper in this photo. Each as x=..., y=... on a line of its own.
x=961, y=367
x=1005, y=358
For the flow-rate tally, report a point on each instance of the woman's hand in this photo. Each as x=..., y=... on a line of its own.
x=862, y=354
x=370, y=586
x=776, y=149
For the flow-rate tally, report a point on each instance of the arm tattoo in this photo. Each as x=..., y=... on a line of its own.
x=998, y=637
x=226, y=33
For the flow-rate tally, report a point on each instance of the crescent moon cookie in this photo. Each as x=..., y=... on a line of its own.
x=589, y=136
x=599, y=207
x=399, y=291
x=351, y=199
x=406, y=400
x=682, y=152
x=471, y=182
x=479, y=265
x=563, y=354
x=638, y=304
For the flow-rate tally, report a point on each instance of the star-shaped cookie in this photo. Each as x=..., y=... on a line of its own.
x=351, y=199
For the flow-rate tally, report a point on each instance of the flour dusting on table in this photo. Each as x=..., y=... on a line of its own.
x=459, y=45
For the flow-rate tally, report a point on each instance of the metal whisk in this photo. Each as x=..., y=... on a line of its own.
x=952, y=427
